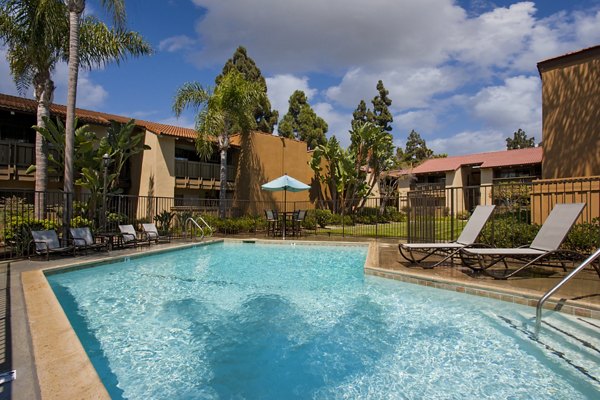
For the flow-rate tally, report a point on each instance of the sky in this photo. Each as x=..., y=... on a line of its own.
x=463, y=74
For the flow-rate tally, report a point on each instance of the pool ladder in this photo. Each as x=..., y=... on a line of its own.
x=194, y=225
x=538, y=310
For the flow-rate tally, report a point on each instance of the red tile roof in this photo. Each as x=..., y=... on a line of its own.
x=494, y=159
x=14, y=103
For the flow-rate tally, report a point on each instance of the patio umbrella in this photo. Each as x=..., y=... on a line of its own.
x=285, y=183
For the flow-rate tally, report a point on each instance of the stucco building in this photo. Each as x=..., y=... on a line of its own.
x=571, y=114
x=171, y=168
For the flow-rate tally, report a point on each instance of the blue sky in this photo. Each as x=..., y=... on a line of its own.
x=461, y=73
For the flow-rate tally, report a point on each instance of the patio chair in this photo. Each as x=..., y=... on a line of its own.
x=46, y=243
x=467, y=238
x=272, y=222
x=297, y=220
x=545, y=244
x=130, y=237
x=152, y=234
x=84, y=240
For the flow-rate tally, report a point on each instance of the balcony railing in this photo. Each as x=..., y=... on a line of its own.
x=202, y=170
x=15, y=154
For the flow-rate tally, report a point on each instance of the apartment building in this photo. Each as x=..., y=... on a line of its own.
x=171, y=168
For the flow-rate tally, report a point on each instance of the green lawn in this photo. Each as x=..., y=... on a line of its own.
x=443, y=228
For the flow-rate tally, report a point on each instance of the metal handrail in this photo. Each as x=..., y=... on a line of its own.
x=207, y=225
x=195, y=223
x=538, y=310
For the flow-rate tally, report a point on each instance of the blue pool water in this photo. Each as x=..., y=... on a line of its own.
x=251, y=321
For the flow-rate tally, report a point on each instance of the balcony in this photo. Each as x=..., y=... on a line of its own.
x=15, y=158
x=201, y=175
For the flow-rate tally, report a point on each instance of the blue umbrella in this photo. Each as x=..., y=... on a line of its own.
x=285, y=183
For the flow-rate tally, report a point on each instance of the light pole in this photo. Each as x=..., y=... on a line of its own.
x=105, y=163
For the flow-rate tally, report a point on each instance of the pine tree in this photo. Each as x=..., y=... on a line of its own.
x=301, y=122
x=265, y=117
x=519, y=141
x=381, y=114
x=361, y=115
x=416, y=150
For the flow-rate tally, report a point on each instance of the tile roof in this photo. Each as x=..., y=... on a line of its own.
x=588, y=52
x=94, y=117
x=494, y=159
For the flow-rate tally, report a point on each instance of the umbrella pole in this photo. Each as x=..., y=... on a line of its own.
x=284, y=221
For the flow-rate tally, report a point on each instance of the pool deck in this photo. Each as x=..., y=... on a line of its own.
x=35, y=331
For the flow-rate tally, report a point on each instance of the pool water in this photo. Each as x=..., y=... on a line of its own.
x=249, y=321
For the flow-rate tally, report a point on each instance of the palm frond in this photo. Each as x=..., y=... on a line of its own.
x=190, y=94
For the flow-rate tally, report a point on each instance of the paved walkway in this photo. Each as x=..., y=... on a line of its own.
x=15, y=338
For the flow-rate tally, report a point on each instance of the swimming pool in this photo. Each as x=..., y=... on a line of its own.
x=282, y=321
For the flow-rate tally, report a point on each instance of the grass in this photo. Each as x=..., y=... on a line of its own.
x=443, y=229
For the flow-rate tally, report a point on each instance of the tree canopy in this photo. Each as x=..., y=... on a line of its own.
x=416, y=151
x=240, y=61
x=519, y=141
x=226, y=109
x=301, y=122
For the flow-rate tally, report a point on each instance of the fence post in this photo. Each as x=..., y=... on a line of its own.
x=451, y=214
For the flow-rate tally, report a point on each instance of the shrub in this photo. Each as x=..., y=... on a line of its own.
x=81, y=222
x=18, y=232
x=336, y=219
x=463, y=215
x=323, y=217
x=584, y=238
x=163, y=220
x=508, y=232
x=394, y=215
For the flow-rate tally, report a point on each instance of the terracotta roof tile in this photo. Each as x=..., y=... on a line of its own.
x=94, y=117
x=494, y=159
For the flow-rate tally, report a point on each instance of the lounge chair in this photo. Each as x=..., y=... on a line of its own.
x=467, y=238
x=46, y=243
x=129, y=236
x=152, y=233
x=84, y=240
x=545, y=244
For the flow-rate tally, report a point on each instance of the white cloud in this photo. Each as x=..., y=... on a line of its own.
x=495, y=37
x=469, y=142
x=89, y=94
x=183, y=121
x=423, y=121
x=338, y=124
x=304, y=35
x=516, y=104
x=408, y=88
x=175, y=43
x=7, y=84
x=281, y=87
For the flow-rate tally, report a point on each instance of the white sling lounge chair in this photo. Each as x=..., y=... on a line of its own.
x=467, y=237
x=152, y=233
x=546, y=243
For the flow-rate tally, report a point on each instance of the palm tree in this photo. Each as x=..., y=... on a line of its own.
x=227, y=109
x=76, y=8
x=30, y=30
x=36, y=33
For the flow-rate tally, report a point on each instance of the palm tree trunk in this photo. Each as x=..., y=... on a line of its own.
x=223, y=181
x=44, y=90
x=76, y=7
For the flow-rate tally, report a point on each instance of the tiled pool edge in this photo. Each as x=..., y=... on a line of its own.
x=576, y=308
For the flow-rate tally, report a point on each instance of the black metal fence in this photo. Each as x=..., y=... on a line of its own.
x=425, y=215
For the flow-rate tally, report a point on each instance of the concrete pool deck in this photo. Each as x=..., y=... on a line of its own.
x=51, y=364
